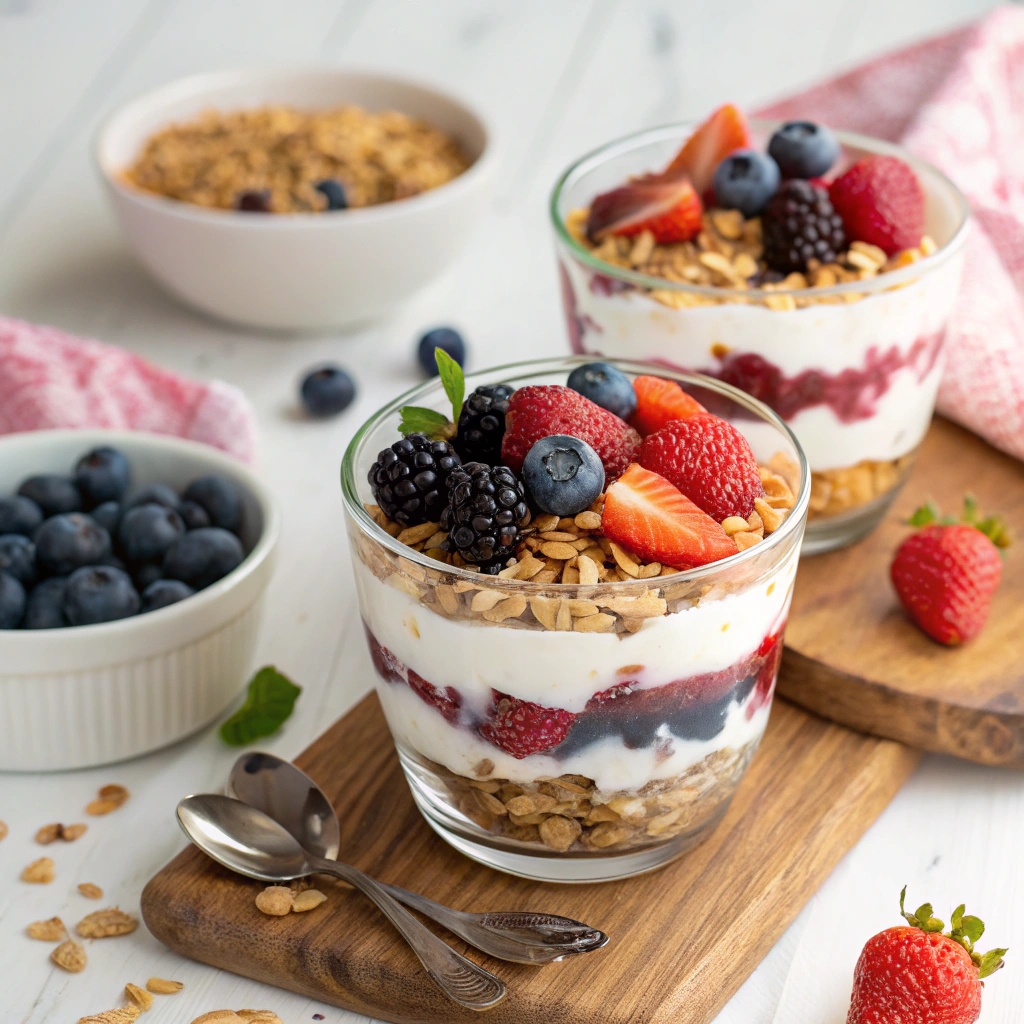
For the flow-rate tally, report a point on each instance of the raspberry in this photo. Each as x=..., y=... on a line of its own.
x=800, y=224
x=447, y=701
x=881, y=202
x=521, y=728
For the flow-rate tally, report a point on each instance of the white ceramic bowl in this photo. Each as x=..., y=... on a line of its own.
x=88, y=695
x=305, y=271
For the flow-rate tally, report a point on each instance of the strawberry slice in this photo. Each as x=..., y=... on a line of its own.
x=647, y=515
x=660, y=401
x=670, y=209
x=722, y=133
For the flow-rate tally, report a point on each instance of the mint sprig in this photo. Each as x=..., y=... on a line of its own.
x=268, y=705
x=419, y=420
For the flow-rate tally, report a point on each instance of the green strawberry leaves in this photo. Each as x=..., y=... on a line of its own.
x=992, y=526
x=268, y=705
x=419, y=420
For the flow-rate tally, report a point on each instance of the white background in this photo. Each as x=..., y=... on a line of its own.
x=557, y=77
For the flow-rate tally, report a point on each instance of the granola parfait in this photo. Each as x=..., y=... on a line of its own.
x=814, y=270
x=574, y=579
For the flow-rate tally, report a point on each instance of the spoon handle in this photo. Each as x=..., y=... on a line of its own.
x=460, y=978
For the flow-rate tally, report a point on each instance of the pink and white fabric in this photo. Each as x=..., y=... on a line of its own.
x=958, y=102
x=52, y=379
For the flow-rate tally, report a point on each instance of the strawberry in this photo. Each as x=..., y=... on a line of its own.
x=770, y=655
x=388, y=667
x=709, y=460
x=659, y=401
x=647, y=515
x=447, y=701
x=521, y=728
x=916, y=973
x=881, y=202
x=541, y=410
x=946, y=573
x=721, y=134
x=670, y=209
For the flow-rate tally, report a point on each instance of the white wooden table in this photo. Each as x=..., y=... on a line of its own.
x=557, y=78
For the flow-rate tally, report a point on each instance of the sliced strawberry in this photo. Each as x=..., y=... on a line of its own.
x=659, y=402
x=881, y=202
x=647, y=515
x=541, y=410
x=721, y=134
x=670, y=209
x=522, y=728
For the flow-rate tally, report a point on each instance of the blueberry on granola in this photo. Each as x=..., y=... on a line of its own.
x=334, y=192
x=803, y=149
x=410, y=479
x=563, y=475
x=486, y=508
x=482, y=423
x=800, y=224
x=745, y=181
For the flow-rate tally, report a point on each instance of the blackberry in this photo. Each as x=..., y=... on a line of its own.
x=485, y=509
x=482, y=423
x=800, y=224
x=410, y=479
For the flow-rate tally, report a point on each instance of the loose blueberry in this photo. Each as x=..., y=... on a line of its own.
x=563, y=475
x=147, y=531
x=161, y=593
x=99, y=593
x=220, y=497
x=335, y=193
x=18, y=558
x=12, y=602
x=446, y=338
x=605, y=386
x=201, y=557
x=803, y=149
x=45, y=607
x=154, y=494
x=53, y=494
x=327, y=390
x=745, y=181
x=68, y=542
x=107, y=515
x=146, y=575
x=193, y=515
x=19, y=514
x=102, y=475
x=253, y=200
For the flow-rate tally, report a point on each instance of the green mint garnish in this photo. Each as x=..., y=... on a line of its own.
x=452, y=379
x=418, y=420
x=268, y=705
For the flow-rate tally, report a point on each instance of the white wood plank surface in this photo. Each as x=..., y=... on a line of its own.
x=556, y=78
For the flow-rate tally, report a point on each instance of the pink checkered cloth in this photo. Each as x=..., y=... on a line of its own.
x=52, y=379
x=958, y=102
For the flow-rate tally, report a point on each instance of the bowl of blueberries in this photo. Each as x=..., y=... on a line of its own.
x=132, y=571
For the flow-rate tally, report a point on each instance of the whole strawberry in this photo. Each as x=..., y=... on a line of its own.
x=946, y=573
x=918, y=974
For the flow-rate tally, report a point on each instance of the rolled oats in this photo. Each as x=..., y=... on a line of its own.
x=139, y=996
x=40, y=872
x=164, y=987
x=70, y=955
x=106, y=924
x=52, y=930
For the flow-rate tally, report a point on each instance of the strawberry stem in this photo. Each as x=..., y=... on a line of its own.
x=992, y=526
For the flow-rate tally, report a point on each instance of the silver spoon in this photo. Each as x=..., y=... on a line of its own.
x=295, y=801
x=250, y=842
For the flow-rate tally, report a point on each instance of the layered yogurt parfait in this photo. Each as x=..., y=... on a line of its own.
x=574, y=584
x=814, y=270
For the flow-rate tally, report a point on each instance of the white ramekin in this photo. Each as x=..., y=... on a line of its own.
x=304, y=271
x=89, y=695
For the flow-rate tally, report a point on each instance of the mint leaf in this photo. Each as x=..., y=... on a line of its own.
x=452, y=379
x=417, y=420
x=269, y=703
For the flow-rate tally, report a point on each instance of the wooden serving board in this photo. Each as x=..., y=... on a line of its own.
x=852, y=654
x=683, y=939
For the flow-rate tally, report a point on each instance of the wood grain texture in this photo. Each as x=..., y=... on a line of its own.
x=852, y=655
x=692, y=931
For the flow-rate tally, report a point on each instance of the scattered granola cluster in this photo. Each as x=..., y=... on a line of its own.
x=834, y=491
x=281, y=900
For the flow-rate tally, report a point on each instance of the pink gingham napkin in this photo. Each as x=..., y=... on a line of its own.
x=958, y=102
x=52, y=379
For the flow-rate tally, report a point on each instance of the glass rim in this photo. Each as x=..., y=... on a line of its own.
x=367, y=524
x=679, y=130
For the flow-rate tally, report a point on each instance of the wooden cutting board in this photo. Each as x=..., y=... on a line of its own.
x=683, y=939
x=853, y=656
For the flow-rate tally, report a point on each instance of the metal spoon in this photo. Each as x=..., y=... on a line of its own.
x=295, y=801
x=250, y=842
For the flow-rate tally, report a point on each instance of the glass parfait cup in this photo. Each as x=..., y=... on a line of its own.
x=659, y=683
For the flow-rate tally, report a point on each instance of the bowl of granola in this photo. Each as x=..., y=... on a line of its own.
x=295, y=200
x=822, y=291
x=575, y=695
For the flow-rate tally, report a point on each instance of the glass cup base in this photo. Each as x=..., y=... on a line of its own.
x=834, y=532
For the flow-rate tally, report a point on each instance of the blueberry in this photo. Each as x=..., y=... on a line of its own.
x=201, y=557
x=53, y=494
x=68, y=542
x=335, y=193
x=605, y=386
x=102, y=475
x=117, y=563
x=446, y=338
x=803, y=149
x=154, y=494
x=147, y=531
x=254, y=200
x=18, y=558
x=563, y=475
x=145, y=575
x=99, y=593
x=107, y=515
x=221, y=499
x=45, y=608
x=12, y=602
x=19, y=514
x=745, y=181
x=193, y=515
x=161, y=593
x=327, y=390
